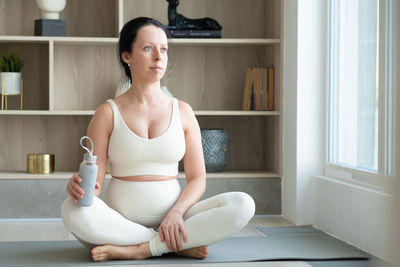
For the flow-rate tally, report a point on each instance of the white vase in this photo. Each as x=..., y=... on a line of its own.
x=51, y=8
x=166, y=91
x=123, y=87
x=12, y=83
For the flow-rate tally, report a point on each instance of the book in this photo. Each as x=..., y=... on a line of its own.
x=176, y=33
x=261, y=90
x=264, y=89
x=247, y=89
x=271, y=73
x=253, y=93
x=257, y=88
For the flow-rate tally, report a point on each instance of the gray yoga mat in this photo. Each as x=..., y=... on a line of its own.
x=278, y=246
x=306, y=240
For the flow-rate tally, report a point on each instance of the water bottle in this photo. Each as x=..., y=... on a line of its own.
x=88, y=173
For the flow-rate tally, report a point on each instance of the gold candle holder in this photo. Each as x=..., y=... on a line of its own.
x=40, y=163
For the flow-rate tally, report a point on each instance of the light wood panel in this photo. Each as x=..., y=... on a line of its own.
x=3, y=17
x=91, y=18
x=83, y=71
x=35, y=75
x=95, y=18
x=59, y=135
x=249, y=149
x=211, y=78
x=84, y=76
x=239, y=19
x=17, y=17
x=272, y=144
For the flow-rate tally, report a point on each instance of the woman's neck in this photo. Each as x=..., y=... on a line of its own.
x=145, y=94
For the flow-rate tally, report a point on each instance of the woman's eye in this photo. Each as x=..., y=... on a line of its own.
x=164, y=50
x=147, y=48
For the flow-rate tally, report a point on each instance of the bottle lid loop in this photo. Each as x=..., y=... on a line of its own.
x=91, y=145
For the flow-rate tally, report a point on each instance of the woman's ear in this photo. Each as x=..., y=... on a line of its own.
x=125, y=57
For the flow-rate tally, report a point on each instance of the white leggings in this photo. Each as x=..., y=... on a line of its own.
x=133, y=208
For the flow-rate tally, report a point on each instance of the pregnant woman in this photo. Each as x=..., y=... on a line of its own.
x=144, y=134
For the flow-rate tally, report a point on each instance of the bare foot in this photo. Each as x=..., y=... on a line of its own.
x=113, y=252
x=194, y=253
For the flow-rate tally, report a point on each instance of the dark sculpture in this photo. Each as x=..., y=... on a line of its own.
x=178, y=21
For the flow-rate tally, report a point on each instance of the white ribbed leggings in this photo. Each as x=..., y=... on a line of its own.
x=133, y=207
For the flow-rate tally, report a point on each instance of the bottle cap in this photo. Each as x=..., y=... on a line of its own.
x=88, y=157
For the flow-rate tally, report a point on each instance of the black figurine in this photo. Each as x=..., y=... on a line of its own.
x=178, y=21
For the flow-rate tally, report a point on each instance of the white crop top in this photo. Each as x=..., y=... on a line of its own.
x=130, y=154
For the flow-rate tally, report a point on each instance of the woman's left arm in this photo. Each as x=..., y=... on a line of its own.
x=195, y=173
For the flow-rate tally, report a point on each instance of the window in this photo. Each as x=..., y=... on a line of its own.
x=361, y=115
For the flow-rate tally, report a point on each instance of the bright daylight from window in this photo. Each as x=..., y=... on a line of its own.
x=354, y=84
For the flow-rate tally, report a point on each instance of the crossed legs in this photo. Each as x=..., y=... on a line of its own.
x=207, y=222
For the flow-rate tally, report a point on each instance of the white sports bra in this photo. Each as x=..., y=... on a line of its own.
x=131, y=155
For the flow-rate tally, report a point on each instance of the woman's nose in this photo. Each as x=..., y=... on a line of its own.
x=157, y=55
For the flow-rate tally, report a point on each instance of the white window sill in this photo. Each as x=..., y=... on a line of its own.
x=380, y=187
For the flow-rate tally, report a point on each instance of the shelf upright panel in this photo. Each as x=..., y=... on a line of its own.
x=51, y=75
x=120, y=16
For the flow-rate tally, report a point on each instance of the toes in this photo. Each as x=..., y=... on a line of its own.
x=203, y=252
x=97, y=254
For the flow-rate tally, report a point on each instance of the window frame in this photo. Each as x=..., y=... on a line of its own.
x=380, y=180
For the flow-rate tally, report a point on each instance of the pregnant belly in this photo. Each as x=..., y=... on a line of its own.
x=145, y=203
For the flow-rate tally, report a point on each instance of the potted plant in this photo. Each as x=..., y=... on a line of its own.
x=10, y=76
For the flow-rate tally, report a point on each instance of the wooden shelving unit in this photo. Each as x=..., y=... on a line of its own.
x=66, y=78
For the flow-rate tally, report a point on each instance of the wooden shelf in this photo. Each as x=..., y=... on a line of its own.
x=224, y=41
x=91, y=112
x=114, y=41
x=15, y=175
x=67, y=78
x=236, y=113
x=46, y=112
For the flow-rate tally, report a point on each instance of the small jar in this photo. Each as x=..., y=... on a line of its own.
x=40, y=163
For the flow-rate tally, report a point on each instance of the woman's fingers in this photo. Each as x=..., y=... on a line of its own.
x=170, y=231
x=177, y=238
x=73, y=188
x=70, y=193
x=173, y=240
x=76, y=178
x=167, y=240
x=161, y=234
x=184, y=234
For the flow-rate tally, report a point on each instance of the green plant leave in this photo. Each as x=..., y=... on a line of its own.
x=11, y=63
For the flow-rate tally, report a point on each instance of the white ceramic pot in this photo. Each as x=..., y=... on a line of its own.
x=51, y=8
x=12, y=83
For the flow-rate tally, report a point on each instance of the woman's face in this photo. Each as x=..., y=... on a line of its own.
x=149, y=57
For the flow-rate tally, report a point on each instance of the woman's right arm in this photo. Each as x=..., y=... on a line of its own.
x=99, y=130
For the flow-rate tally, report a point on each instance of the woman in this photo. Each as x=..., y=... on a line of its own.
x=144, y=134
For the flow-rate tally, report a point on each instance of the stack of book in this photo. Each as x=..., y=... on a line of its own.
x=258, y=92
x=192, y=33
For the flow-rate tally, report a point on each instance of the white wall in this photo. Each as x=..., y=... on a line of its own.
x=304, y=98
x=356, y=214
x=289, y=208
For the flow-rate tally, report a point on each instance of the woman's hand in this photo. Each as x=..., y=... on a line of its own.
x=170, y=230
x=74, y=190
